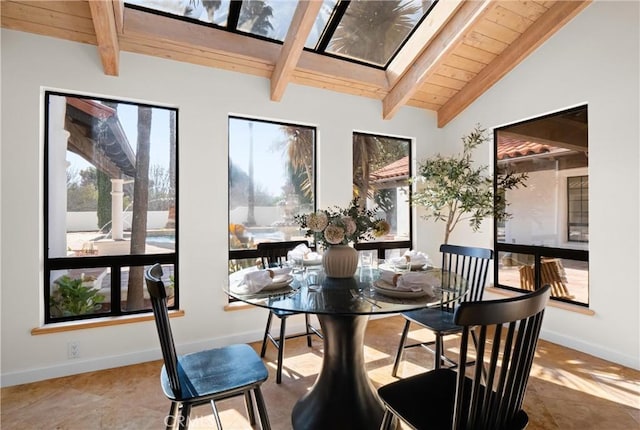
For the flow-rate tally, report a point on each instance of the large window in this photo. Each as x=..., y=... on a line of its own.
x=271, y=179
x=110, y=205
x=381, y=170
x=545, y=241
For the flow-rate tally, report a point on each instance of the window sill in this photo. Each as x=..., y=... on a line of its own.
x=98, y=322
x=552, y=303
x=238, y=306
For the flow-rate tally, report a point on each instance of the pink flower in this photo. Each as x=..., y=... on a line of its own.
x=349, y=225
x=334, y=234
x=317, y=221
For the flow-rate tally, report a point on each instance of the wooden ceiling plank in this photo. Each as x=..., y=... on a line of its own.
x=486, y=43
x=497, y=31
x=46, y=30
x=30, y=13
x=527, y=9
x=429, y=88
x=301, y=25
x=561, y=13
x=475, y=54
x=462, y=63
x=441, y=46
x=104, y=21
x=421, y=37
x=509, y=19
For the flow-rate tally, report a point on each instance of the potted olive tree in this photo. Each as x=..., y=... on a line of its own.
x=452, y=189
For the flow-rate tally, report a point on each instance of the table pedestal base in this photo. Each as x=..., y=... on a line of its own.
x=342, y=396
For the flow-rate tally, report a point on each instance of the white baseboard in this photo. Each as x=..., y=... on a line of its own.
x=591, y=349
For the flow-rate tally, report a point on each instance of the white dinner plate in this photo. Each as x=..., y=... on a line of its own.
x=278, y=281
x=388, y=289
x=414, y=266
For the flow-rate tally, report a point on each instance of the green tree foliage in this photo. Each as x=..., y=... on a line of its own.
x=373, y=30
x=73, y=298
x=103, y=186
x=452, y=189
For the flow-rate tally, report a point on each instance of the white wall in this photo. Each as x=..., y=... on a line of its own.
x=601, y=69
x=577, y=66
x=205, y=97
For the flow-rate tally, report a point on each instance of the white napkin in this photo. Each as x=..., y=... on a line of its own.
x=399, y=261
x=417, y=280
x=416, y=257
x=256, y=281
x=302, y=252
x=410, y=281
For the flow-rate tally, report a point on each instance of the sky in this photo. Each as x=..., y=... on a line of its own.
x=268, y=161
x=128, y=116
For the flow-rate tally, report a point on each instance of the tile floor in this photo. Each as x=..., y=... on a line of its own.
x=567, y=390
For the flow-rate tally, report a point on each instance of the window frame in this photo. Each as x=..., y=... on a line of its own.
x=242, y=254
x=582, y=212
x=537, y=252
x=113, y=262
x=382, y=246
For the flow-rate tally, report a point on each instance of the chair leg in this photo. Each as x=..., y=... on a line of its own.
x=262, y=409
x=172, y=419
x=185, y=416
x=403, y=340
x=266, y=335
x=387, y=420
x=281, y=342
x=248, y=403
x=437, y=360
x=307, y=325
x=216, y=416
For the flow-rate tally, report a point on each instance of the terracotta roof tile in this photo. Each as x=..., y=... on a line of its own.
x=514, y=148
x=396, y=170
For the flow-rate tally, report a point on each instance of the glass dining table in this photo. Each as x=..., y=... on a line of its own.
x=342, y=396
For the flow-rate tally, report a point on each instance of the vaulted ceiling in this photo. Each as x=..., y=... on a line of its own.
x=457, y=53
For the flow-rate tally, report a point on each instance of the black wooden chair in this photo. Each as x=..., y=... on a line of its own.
x=274, y=254
x=468, y=264
x=491, y=397
x=205, y=376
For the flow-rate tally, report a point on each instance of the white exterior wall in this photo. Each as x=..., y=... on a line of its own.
x=540, y=210
x=577, y=66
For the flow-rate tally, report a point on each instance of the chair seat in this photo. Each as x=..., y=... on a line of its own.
x=283, y=314
x=434, y=319
x=430, y=405
x=216, y=373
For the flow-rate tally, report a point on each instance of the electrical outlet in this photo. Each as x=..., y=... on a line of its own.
x=73, y=350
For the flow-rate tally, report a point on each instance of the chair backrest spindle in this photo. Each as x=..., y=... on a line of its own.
x=468, y=264
x=507, y=333
x=158, y=296
x=275, y=253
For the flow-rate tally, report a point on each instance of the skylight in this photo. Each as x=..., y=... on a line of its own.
x=364, y=31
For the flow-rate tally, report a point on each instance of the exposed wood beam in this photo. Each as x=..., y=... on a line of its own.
x=155, y=27
x=104, y=22
x=541, y=30
x=433, y=23
x=118, y=11
x=301, y=24
x=431, y=58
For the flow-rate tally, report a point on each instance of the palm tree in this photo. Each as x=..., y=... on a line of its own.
x=255, y=17
x=373, y=30
x=299, y=146
x=366, y=149
x=135, y=297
